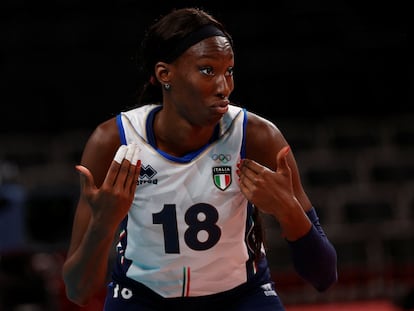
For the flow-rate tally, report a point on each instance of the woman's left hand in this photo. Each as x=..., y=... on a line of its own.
x=270, y=191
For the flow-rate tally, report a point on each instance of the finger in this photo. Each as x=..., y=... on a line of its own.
x=134, y=180
x=252, y=165
x=137, y=155
x=247, y=177
x=114, y=168
x=247, y=182
x=126, y=170
x=282, y=163
x=244, y=187
x=132, y=156
x=86, y=179
x=120, y=154
x=130, y=152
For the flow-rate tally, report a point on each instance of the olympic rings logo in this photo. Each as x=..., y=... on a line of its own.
x=224, y=158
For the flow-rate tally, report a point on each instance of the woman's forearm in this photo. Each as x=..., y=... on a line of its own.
x=86, y=269
x=314, y=257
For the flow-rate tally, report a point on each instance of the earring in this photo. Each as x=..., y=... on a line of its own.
x=167, y=86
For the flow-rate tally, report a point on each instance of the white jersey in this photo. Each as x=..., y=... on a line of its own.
x=187, y=230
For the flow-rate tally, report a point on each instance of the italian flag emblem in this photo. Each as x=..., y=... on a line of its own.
x=222, y=177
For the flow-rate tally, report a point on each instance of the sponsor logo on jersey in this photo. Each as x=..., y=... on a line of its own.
x=268, y=290
x=222, y=177
x=146, y=175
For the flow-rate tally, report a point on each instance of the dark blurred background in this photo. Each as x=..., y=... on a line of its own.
x=335, y=76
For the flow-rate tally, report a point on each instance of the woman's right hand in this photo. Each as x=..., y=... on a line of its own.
x=111, y=202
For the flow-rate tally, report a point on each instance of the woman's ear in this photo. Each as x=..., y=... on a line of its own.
x=162, y=72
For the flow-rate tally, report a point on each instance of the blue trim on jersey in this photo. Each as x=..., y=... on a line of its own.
x=184, y=159
x=149, y=126
x=121, y=129
x=243, y=146
x=123, y=264
x=250, y=268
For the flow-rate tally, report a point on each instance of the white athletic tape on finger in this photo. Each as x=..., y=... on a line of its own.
x=136, y=156
x=120, y=154
x=130, y=152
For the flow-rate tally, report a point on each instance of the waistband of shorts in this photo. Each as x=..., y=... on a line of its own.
x=140, y=289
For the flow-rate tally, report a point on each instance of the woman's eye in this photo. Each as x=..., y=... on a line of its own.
x=207, y=71
x=230, y=71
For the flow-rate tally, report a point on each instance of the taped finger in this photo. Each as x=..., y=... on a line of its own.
x=137, y=155
x=120, y=154
x=130, y=152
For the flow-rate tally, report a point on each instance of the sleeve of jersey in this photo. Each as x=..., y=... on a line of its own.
x=314, y=257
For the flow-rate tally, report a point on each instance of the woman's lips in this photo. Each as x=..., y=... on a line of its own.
x=221, y=107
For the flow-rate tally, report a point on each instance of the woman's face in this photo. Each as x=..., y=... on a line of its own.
x=202, y=81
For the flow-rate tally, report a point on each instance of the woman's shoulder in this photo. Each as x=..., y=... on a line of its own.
x=257, y=122
x=106, y=131
x=141, y=109
x=263, y=138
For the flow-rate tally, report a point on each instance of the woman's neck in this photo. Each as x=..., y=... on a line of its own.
x=177, y=137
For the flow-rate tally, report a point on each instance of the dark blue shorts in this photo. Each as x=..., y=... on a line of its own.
x=262, y=297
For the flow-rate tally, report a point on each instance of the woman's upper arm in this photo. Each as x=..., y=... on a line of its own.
x=263, y=140
x=97, y=157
